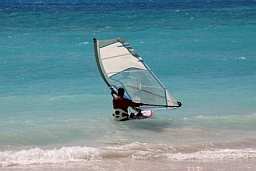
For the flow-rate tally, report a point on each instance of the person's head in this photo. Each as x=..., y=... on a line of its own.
x=120, y=92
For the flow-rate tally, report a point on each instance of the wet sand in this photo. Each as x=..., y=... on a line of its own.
x=145, y=165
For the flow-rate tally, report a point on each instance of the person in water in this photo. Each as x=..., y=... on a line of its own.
x=120, y=102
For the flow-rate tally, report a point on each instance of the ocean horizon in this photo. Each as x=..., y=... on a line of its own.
x=56, y=111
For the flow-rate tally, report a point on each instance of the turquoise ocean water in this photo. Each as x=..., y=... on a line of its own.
x=52, y=96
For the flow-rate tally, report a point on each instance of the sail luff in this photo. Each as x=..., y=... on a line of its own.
x=98, y=61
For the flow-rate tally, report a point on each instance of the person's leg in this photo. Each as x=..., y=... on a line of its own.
x=139, y=114
x=132, y=115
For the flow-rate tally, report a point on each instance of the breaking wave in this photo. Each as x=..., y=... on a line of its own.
x=141, y=151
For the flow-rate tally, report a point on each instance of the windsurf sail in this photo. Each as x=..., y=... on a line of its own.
x=120, y=66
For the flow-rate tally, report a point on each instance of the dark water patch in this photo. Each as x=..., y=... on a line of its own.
x=104, y=6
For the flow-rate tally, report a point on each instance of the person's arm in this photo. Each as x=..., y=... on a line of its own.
x=133, y=104
x=113, y=92
x=136, y=104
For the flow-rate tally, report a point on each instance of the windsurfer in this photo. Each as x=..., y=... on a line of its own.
x=121, y=105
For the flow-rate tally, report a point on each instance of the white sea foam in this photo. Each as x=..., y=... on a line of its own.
x=83, y=43
x=213, y=155
x=141, y=151
x=52, y=156
x=241, y=58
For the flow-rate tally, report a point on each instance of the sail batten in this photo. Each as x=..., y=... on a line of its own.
x=120, y=66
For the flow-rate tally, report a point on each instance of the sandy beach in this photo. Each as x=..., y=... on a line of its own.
x=146, y=165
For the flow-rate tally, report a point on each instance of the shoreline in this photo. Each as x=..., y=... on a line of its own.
x=139, y=155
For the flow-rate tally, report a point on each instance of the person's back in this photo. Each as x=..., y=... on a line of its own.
x=123, y=103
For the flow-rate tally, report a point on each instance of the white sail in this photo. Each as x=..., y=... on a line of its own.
x=120, y=66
